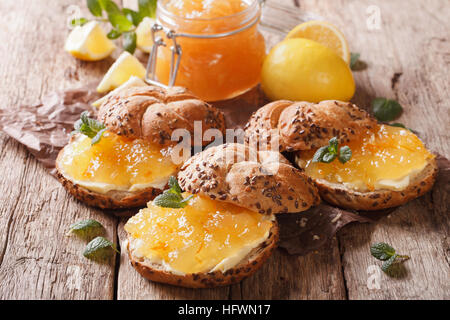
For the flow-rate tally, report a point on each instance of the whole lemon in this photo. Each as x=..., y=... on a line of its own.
x=304, y=70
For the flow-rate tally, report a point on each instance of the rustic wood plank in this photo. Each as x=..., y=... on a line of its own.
x=37, y=260
x=407, y=60
x=317, y=275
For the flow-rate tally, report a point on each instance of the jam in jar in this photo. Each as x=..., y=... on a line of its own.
x=222, y=49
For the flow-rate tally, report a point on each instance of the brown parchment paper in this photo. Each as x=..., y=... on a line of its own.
x=45, y=128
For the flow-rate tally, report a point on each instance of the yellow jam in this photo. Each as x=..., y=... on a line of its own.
x=384, y=158
x=219, y=68
x=205, y=9
x=206, y=235
x=116, y=163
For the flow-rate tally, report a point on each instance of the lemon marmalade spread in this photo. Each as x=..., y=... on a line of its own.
x=385, y=157
x=204, y=236
x=116, y=163
x=213, y=68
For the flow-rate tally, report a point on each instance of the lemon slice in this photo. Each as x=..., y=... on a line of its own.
x=144, y=34
x=89, y=42
x=324, y=33
x=125, y=66
x=132, y=82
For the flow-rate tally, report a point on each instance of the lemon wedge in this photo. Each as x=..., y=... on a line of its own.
x=325, y=33
x=144, y=34
x=132, y=82
x=122, y=69
x=89, y=42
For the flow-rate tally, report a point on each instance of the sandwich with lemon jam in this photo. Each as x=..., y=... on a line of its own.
x=223, y=227
x=355, y=162
x=123, y=159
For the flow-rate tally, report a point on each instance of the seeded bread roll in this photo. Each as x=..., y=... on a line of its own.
x=150, y=113
x=302, y=126
x=264, y=182
x=153, y=114
x=305, y=125
x=246, y=267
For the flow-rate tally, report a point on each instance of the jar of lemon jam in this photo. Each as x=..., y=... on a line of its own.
x=222, y=50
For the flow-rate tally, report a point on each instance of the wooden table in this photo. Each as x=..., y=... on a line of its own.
x=407, y=59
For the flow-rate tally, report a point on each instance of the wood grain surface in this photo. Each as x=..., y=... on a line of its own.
x=407, y=58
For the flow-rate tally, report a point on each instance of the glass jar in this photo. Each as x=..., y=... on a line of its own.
x=221, y=56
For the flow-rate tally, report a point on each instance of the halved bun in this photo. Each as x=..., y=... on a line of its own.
x=247, y=266
x=150, y=113
x=301, y=126
x=263, y=181
x=344, y=197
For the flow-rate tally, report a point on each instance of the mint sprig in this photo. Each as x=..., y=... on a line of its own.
x=89, y=127
x=172, y=198
x=123, y=21
x=386, y=110
x=86, y=229
x=328, y=153
x=99, y=249
x=354, y=58
x=384, y=252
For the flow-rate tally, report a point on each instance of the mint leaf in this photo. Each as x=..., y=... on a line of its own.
x=90, y=127
x=345, y=154
x=129, y=41
x=392, y=261
x=114, y=34
x=172, y=198
x=333, y=145
x=382, y=251
x=174, y=186
x=78, y=22
x=328, y=153
x=86, y=229
x=147, y=8
x=328, y=157
x=354, y=57
x=99, y=248
x=94, y=7
x=133, y=16
x=320, y=153
x=386, y=110
x=115, y=16
x=120, y=22
x=98, y=136
x=388, y=263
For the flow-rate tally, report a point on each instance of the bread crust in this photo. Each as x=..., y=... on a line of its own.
x=249, y=265
x=110, y=200
x=153, y=114
x=305, y=125
x=343, y=197
x=263, y=181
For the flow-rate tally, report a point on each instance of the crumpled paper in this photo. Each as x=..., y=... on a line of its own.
x=45, y=128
